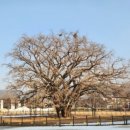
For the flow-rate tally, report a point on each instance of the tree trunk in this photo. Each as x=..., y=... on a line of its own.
x=63, y=111
x=66, y=112
x=93, y=112
x=58, y=111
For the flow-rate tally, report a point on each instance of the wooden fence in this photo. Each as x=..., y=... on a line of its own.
x=34, y=120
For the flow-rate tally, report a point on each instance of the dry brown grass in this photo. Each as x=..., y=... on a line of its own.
x=102, y=113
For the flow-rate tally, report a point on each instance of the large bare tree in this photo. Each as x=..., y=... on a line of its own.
x=63, y=68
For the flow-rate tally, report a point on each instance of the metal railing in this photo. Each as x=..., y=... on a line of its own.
x=33, y=120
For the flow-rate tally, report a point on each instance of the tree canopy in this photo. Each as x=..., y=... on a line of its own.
x=63, y=67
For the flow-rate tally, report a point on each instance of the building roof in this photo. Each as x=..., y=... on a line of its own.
x=5, y=94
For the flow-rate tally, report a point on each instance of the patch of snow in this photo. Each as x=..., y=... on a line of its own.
x=69, y=128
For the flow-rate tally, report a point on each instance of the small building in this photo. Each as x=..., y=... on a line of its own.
x=9, y=99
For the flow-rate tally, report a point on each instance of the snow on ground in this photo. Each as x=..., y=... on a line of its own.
x=125, y=127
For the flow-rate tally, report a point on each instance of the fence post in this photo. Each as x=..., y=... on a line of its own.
x=100, y=120
x=124, y=119
x=10, y=120
x=22, y=120
x=46, y=121
x=112, y=120
x=73, y=120
x=59, y=121
x=1, y=120
x=86, y=120
x=34, y=120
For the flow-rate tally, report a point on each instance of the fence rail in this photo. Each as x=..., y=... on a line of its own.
x=54, y=121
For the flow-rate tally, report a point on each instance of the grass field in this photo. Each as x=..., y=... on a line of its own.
x=102, y=113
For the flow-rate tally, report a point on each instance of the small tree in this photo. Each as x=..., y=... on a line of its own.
x=93, y=101
x=63, y=68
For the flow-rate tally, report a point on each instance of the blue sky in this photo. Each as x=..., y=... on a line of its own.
x=102, y=21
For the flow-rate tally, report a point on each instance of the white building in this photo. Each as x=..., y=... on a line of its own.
x=9, y=99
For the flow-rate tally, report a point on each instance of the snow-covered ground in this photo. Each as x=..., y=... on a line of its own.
x=124, y=127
